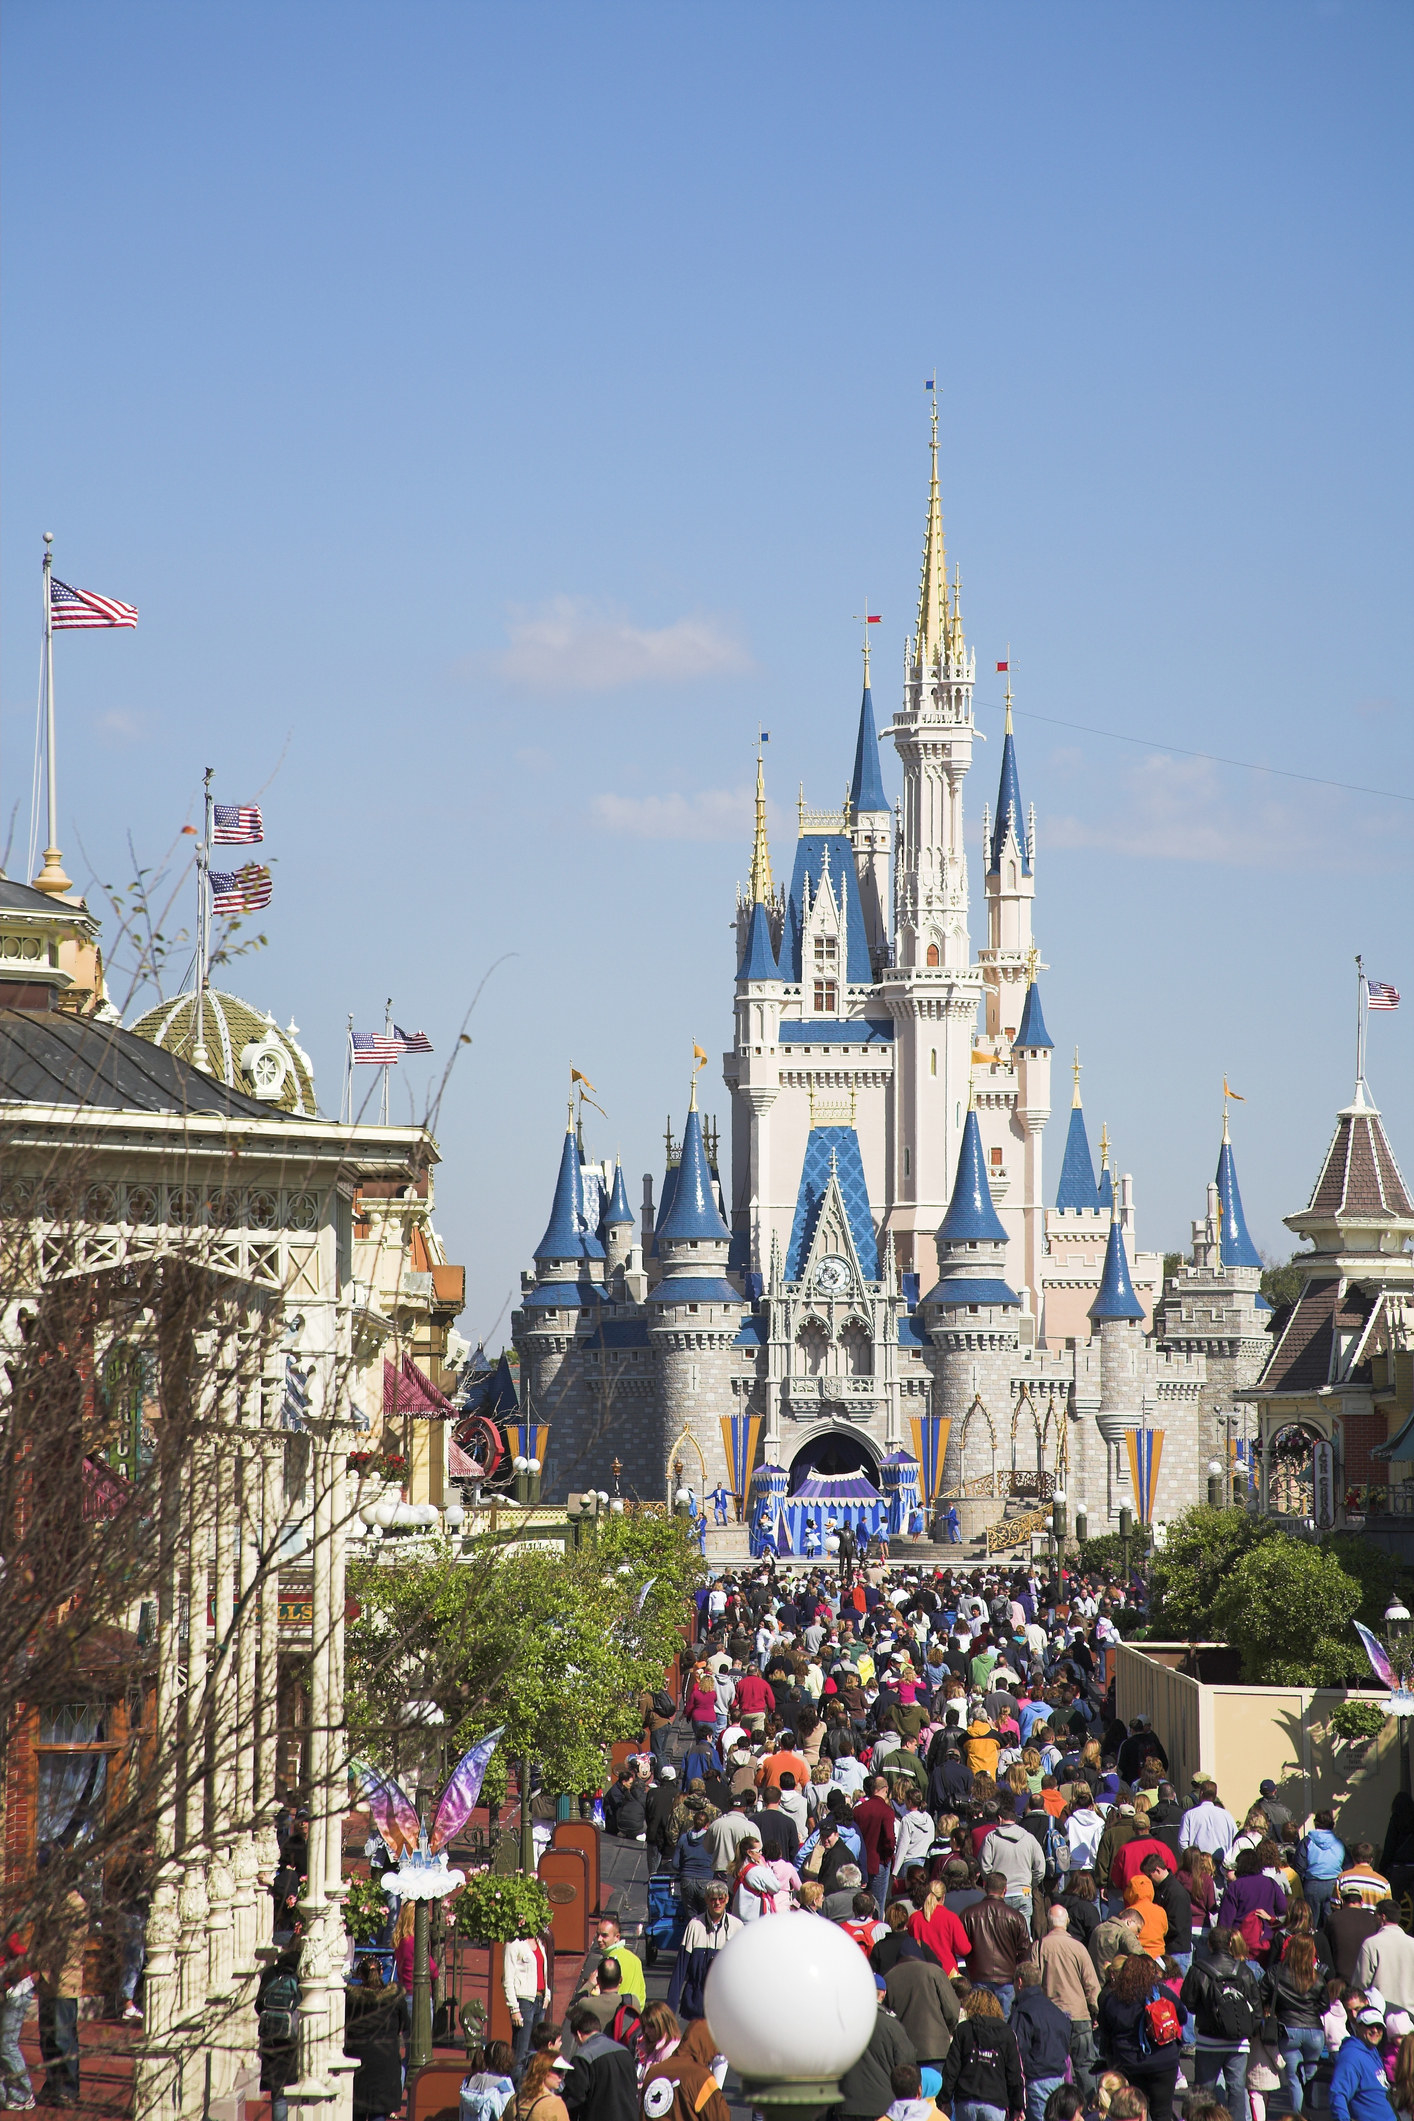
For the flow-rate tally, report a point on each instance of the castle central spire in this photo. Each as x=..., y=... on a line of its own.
x=760, y=852
x=933, y=614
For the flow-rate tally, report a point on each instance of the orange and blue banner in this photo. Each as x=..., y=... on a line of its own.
x=1146, y=1449
x=930, y=1448
x=531, y=1438
x=741, y=1434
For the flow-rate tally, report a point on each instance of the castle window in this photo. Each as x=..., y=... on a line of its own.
x=858, y=1351
x=907, y=1163
x=825, y=993
x=974, y=1309
x=933, y=1061
x=932, y=959
x=692, y=1307
x=811, y=1348
x=827, y=952
x=996, y=1159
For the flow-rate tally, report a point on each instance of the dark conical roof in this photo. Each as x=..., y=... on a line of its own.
x=971, y=1217
x=618, y=1210
x=1031, y=1031
x=567, y=1234
x=1116, y=1298
x=1238, y=1249
x=694, y=1213
x=1077, y=1179
x=1009, y=809
x=760, y=959
x=866, y=790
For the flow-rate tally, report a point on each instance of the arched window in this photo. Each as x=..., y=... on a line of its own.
x=933, y=1061
x=932, y=955
x=812, y=1344
x=856, y=1350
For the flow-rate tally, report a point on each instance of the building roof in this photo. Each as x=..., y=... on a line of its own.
x=813, y=850
x=866, y=789
x=1116, y=1298
x=618, y=1210
x=837, y=1031
x=1238, y=1249
x=694, y=1214
x=823, y=1144
x=504, y=1397
x=1009, y=812
x=956, y=1289
x=1105, y=1191
x=1308, y=1348
x=971, y=1217
x=908, y=1333
x=835, y=1487
x=750, y=1335
x=229, y=1028
x=760, y=959
x=23, y=898
x=1360, y=1177
x=50, y=1058
x=1077, y=1179
x=567, y=1234
x=563, y=1296
x=695, y=1289
x=618, y=1333
x=1031, y=1031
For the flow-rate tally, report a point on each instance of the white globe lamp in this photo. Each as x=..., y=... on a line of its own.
x=791, y=2002
x=532, y=1465
x=454, y=1516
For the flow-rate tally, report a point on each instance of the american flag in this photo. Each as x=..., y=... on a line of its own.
x=1381, y=994
x=83, y=607
x=237, y=824
x=242, y=891
x=413, y=1041
x=376, y=1049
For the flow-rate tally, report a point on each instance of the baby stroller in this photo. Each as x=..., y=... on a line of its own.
x=667, y=1919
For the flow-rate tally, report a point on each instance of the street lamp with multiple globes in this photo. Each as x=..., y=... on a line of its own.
x=792, y=2004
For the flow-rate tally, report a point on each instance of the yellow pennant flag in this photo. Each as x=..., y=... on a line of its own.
x=699, y=1058
x=1237, y=1094
x=576, y=1077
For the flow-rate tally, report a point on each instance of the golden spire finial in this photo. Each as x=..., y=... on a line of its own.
x=1075, y=1071
x=760, y=852
x=699, y=1061
x=800, y=808
x=1033, y=959
x=1104, y=1145
x=933, y=586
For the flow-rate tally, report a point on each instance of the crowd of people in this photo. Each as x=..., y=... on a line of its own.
x=1056, y=1931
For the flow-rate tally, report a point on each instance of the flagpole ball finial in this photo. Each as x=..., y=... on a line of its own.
x=49, y=537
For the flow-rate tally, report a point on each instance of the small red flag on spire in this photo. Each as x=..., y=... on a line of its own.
x=1003, y=666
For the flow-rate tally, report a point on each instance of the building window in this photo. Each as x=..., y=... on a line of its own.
x=72, y=1773
x=908, y=1163
x=933, y=1061
x=932, y=959
x=996, y=1159
x=825, y=993
x=827, y=953
x=692, y=1307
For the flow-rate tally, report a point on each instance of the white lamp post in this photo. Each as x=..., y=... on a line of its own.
x=792, y=2004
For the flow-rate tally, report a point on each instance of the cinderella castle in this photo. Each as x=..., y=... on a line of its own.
x=881, y=1291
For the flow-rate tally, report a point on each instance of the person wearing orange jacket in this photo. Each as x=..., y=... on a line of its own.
x=1153, y=1922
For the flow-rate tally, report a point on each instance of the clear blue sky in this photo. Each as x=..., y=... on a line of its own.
x=507, y=407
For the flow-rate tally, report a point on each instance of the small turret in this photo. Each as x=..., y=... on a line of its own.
x=1105, y=1192
x=1077, y=1187
x=971, y=1315
x=1238, y=1249
x=617, y=1227
x=870, y=828
x=1119, y=1317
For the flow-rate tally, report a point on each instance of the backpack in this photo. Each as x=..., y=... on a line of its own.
x=481, y=2099
x=1161, y=2022
x=278, y=2024
x=1234, y=2013
x=1057, y=1851
x=663, y=1703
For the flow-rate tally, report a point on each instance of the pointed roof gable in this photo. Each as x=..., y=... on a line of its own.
x=1009, y=812
x=567, y=1234
x=1116, y=1298
x=810, y=1200
x=1238, y=1249
x=618, y=1210
x=812, y=852
x=1031, y=1031
x=971, y=1217
x=866, y=790
x=1308, y=1349
x=1360, y=1177
x=1077, y=1180
x=504, y=1400
x=694, y=1214
x=760, y=959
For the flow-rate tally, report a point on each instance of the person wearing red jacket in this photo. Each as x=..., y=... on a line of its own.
x=938, y=1929
x=754, y=1700
x=874, y=1824
x=1131, y=1858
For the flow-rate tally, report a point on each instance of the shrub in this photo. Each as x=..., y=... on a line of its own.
x=1287, y=1607
x=1106, y=1551
x=1196, y=1560
x=365, y=1911
x=1357, y=1719
x=491, y=1909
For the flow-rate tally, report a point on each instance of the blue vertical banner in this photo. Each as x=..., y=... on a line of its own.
x=1146, y=1448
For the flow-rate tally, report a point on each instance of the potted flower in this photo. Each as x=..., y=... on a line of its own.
x=491, y=1909
x=366, y=1921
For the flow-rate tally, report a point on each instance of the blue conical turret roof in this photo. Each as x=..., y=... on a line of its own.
x=1238, y=1249
x=618, y=1210
x=1031, y=1031
x=866, y=790
x=1077, y=1179
x=567, y=1234
x=1116, y=1298
x=694, y=1212
x=1009, y=812
x=1105, y=1191
x=971, y=1218
x=760, y=959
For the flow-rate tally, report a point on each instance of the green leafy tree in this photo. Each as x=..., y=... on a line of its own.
x=1378, y=1574
x=1282, y=1281
x=1198, y=1554
x=1287, y=1606
x=554, y=1648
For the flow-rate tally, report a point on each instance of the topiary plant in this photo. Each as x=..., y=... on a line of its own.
x=1357, y=1720
x=491, y=1909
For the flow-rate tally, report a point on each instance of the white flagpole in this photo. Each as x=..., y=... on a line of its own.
x=200, y=1056
x=346, y=1100
x=51, y=877
x=387, y=1065
x=1361, y=993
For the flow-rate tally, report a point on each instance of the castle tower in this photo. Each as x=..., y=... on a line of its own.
x=1031, y=1053
x=1119, y=1315
x=1010, y=886
x=870, y=828
x=753, y=1070
x=932, y=989
x=971, y=1317
x=694, y=1314
x=568, y=1282
x=617, y=1226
